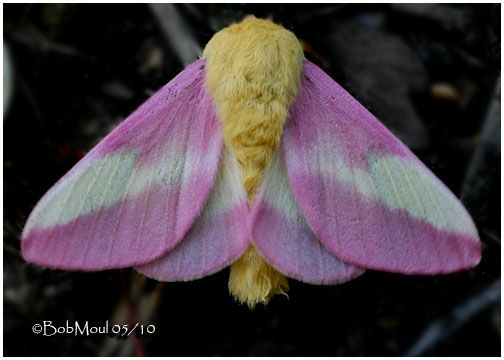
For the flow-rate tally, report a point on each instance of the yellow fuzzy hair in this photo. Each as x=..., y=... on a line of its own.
x=252, y=280
x=253, y=75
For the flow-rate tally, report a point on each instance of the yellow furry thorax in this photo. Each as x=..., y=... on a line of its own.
x=253, y=75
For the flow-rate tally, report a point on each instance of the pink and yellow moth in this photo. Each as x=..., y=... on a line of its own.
x=252, y=157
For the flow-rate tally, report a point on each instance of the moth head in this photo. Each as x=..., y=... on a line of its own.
x=253, y=37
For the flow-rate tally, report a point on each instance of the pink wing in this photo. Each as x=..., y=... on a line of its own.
x=282, y=236
x=218, y=237
x=134, y=196
x=366, y=197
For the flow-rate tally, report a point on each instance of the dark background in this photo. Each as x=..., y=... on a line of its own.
x=430, y=72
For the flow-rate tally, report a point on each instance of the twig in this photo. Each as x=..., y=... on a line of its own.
x=176, y=32
x=443, y=328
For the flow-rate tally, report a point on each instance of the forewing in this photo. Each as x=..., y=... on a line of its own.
x=218, y=237
x=282, y=236
x=134, y=196
x=367, y=198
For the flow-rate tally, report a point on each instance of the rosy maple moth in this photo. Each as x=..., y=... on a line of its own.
x=252, y=157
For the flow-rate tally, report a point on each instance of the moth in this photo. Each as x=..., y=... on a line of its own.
x=252, y=157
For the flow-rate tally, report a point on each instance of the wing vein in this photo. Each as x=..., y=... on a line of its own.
x=140, y=232
x=179, y=260
x=65, y=203
x=104, y=193
x=422, y=210
x=399, y=201
x=120, y=216
x=354, y=199
x=88, y=191
x=182, y=171
x=205, y=241
x=443, y=218
x=383, y=219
